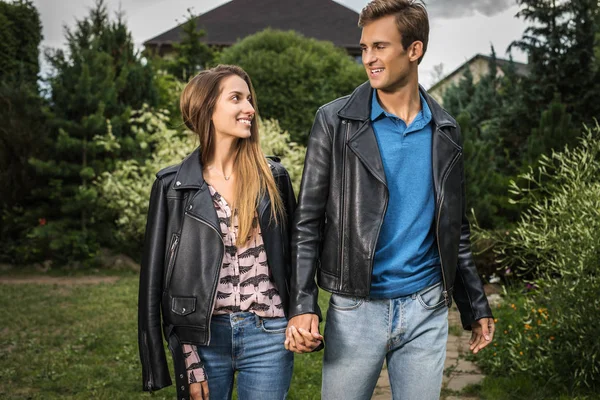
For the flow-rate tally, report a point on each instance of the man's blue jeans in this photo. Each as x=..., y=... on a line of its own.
x=253, y=347
x=410, y=333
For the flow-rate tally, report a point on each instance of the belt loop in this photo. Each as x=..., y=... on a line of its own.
x=258, y=320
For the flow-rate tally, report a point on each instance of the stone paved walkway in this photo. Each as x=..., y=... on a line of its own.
x=458, y=372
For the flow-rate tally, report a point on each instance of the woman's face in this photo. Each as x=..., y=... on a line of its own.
x=233, y=112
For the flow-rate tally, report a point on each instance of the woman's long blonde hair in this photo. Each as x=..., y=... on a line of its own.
x=197, y=103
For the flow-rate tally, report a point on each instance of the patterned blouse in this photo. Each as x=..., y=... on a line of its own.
x=244, y=281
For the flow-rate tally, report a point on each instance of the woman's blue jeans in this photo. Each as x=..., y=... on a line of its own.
x=253, y=347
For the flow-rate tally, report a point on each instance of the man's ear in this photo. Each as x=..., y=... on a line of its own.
x=415, y=51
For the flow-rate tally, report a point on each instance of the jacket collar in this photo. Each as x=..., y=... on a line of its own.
x=358, y=106
x=189, y=174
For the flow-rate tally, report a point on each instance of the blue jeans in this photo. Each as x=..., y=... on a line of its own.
x=253, y=347
x=410, y=333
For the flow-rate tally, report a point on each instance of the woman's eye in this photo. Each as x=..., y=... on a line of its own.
x=235, y=98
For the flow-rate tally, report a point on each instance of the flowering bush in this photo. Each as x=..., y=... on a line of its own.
x=277, y=142
x=550, y=331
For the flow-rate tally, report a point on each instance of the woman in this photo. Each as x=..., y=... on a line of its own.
x=216, y=255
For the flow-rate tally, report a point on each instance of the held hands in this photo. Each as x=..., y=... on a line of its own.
x=199, y=391
x=302, y=333
x=482, y=335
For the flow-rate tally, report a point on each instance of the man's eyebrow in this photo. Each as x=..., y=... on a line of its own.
x=374, y=43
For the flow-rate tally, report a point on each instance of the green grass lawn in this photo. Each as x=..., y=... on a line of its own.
x=80, y=342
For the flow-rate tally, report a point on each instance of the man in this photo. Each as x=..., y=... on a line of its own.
x=381, y=221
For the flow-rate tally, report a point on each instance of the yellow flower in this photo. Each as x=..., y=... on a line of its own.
x=505, y=332
x=527, y=326
x=537, y=336
x=539, y=321
x=494, y=354
x=495, y=320
x=521, y=353
x=551, y=337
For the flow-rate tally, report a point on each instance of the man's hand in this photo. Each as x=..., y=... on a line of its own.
x=302, y=333
x=483, y=333
x=199, y=391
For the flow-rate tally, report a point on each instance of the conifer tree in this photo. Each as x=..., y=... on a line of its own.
x=23, y=126
x=559, y=42
x=192, y=55
x=98, y=80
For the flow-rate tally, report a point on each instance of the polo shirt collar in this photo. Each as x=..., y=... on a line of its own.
x=422, y=118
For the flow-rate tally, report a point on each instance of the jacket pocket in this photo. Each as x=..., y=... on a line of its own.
x=171, y=263
x=183, y=305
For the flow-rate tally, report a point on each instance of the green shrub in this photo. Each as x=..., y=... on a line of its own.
x=550, y=332
x=294, y=76
x=126, y=190
x=274, y=141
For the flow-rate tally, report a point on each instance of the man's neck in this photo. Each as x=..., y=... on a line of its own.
x=405, y=102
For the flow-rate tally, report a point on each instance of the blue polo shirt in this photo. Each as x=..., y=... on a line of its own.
x=406, y=257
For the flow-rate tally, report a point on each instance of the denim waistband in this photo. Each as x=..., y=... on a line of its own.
x=239, y=318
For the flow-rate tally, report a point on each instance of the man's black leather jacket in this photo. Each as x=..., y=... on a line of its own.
x=182, y=256
x=343, y=199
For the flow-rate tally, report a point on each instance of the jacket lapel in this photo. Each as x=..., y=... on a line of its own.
x=364, y=144
x=444, y=149
x=189, y=176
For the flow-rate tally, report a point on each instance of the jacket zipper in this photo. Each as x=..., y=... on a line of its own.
x=377, y=238
x=150, y=382
x=171, y=260
x=214, y=289
x=342, y=217
x=437, y=229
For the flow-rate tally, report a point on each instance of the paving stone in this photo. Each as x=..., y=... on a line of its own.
x=449, y=362
x=459, y=381
x=467, y=366
x=453, y=354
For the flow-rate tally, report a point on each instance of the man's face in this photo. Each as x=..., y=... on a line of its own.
x=388, y=64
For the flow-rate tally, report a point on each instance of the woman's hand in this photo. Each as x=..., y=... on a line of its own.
x=199, y=391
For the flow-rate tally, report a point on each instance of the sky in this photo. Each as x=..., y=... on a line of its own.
x=459, y=28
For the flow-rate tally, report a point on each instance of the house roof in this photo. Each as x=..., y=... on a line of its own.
x=319, y=19
x=521, y=69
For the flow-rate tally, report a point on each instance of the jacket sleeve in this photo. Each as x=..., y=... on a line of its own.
x=308, y=219
x=468, y=289
x=155, y=373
